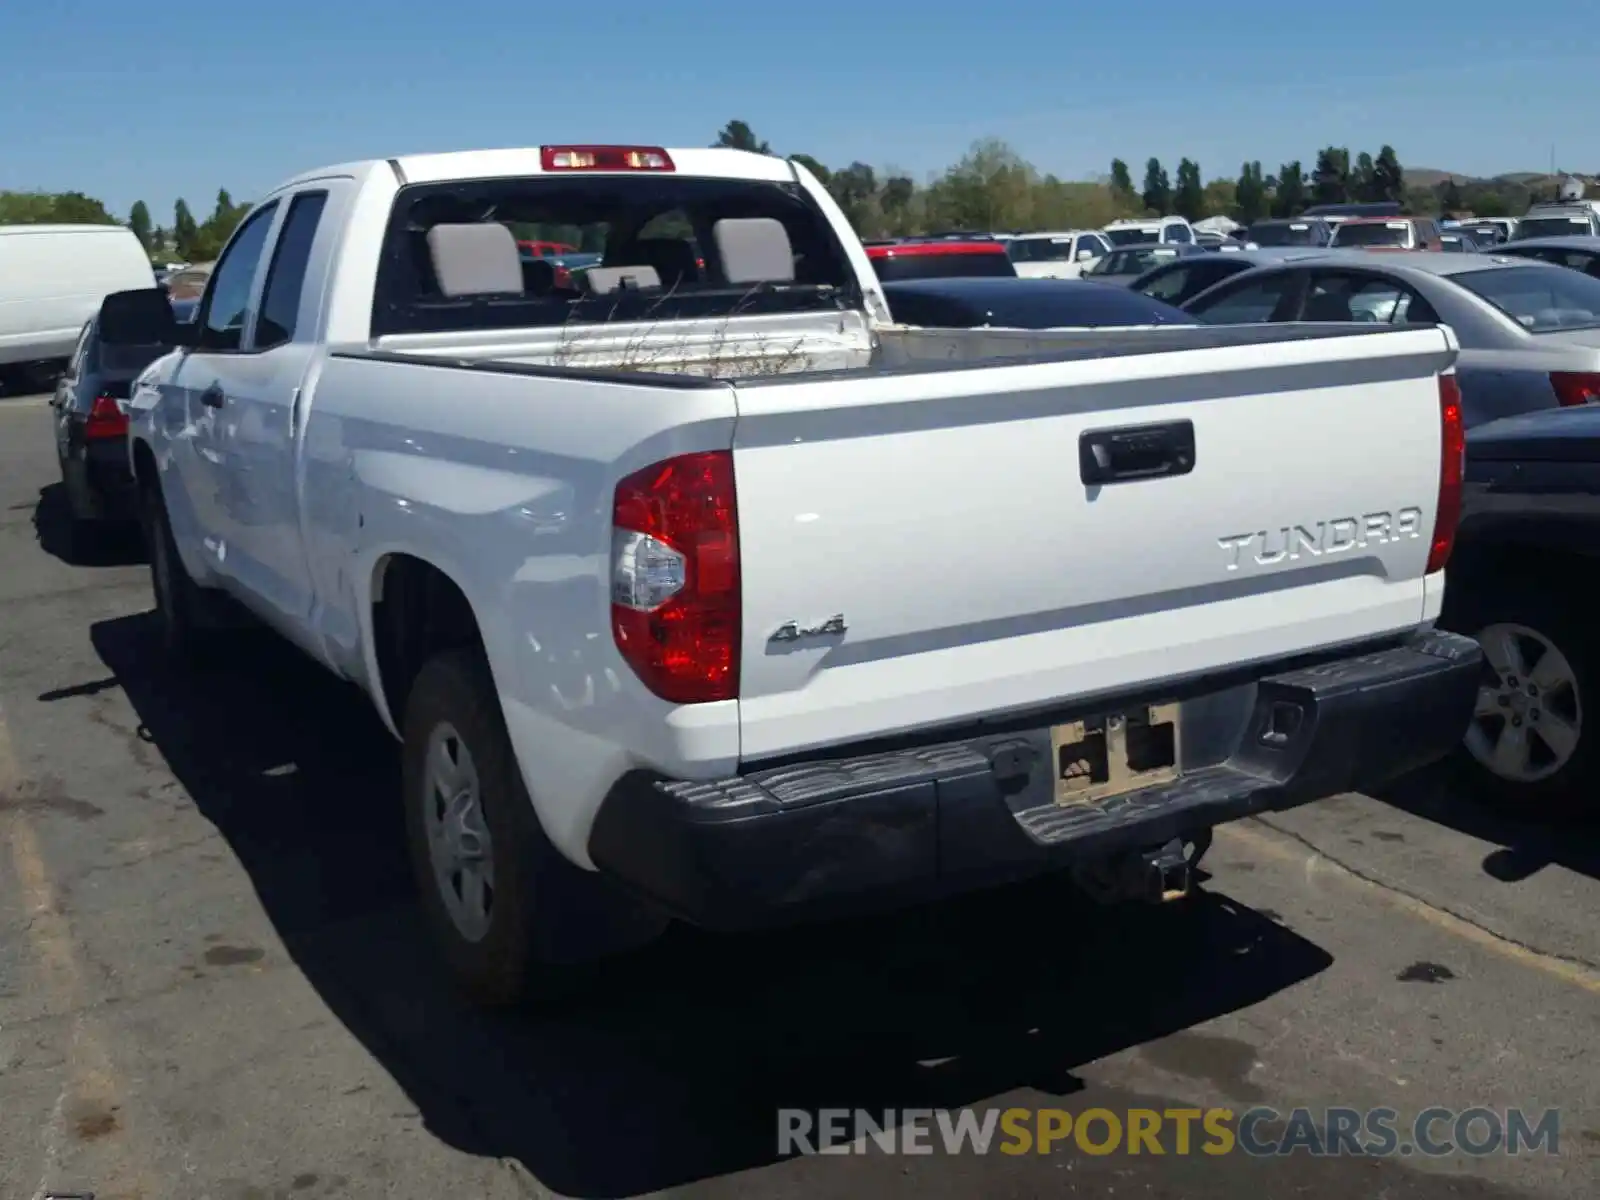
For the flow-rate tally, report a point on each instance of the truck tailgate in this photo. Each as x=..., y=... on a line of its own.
x=925, y=549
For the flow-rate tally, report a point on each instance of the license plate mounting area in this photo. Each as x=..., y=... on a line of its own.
x=1103, y=756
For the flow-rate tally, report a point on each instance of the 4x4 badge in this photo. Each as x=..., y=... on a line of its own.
x=793, y=631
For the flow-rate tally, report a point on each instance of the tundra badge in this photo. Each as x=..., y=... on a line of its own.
x=793, y=631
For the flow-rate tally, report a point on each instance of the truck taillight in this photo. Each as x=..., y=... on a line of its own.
x=105, y=421
x=1452, y=470
x=675, y=589
x=1573, y=388
x=604, y=158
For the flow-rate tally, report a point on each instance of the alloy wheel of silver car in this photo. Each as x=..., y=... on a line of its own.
x=459, y=844
x=1529, y=720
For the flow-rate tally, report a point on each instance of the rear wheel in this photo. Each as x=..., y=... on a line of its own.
x=513, y=918
x=1530, y=748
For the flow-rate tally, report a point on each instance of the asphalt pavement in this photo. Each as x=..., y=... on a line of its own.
x=213, y=982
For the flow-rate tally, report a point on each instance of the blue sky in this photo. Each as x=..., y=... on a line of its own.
x=128, y=101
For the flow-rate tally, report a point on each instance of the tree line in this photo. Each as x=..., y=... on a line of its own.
x=185, y=239
x=991, y=187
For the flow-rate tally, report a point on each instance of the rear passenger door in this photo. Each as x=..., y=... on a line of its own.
x=264, y=387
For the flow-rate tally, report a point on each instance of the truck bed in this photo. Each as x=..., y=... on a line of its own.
x=828, y=347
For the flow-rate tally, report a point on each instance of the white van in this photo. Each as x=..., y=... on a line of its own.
x=1136, y=231
x=52, y=280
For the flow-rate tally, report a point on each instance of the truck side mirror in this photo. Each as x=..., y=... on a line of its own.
x=141, y=317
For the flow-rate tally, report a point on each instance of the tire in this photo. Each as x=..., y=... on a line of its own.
x=185, y=636
x=84, y=532
x=546, y=920
x=1553, y=701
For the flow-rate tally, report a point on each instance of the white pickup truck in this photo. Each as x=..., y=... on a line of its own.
x=695, y=588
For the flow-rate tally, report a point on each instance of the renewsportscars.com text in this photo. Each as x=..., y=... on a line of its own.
x=1259, y=1132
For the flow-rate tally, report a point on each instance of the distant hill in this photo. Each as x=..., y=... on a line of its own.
x=1427, y=177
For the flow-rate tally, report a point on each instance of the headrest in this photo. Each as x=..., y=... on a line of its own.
x=475, y=260
x=754, y=250
x=601, y=280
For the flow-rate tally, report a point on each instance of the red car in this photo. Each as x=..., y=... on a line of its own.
x=546, y=249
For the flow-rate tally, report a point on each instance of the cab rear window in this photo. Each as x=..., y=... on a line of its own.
x=650, y=245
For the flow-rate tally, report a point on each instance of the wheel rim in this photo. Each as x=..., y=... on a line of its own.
x=1529, y=715
x=459, y=846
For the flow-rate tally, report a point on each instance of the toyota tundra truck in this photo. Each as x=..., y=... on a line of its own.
x=695, y=588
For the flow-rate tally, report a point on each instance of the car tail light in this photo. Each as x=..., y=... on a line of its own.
x=1575, y=387
x=563, y=277
x=1452, y=469
x=604, y=158
x=675, y=589
x=106, y=420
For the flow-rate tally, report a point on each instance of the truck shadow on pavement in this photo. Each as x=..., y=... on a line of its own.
x=1527, y=846
x=674, y=1070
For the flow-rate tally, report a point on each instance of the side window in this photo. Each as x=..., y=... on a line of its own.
x=1207, y=274
x=1414, y=310
x=1248, y=304
x=1179, y=233
x=1169, y=285
x=1366, y=299
x=1095, y=244
x=280, y=302
x=222, y=321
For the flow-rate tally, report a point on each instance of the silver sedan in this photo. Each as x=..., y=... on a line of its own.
x=1579, y=253
x=1529, y=331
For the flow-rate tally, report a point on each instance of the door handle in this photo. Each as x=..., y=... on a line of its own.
x=1136, y=452
x=212, y=397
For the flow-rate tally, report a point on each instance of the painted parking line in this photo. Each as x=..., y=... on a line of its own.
x=1260, y=837
x=89, y=1105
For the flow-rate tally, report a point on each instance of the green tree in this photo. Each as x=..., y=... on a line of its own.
x=816, y=168
x=1289, y=196
x=1190, y=198
x=992, y=187
x=1330, y=178
x=1363, y=184
x=52, y=208
x=1157, y=194
x=1488, y=204
x=1250, y=194
x=1121, y=181
x=1449, y=198
x=184, y=230
x=895, y=199
x=26, y=208
x=736, y=135
x=1388, y=180
x=139, y=222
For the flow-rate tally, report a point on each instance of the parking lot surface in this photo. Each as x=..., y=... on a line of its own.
x=213, y=981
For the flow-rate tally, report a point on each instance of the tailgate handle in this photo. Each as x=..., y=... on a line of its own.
x=1136, y=452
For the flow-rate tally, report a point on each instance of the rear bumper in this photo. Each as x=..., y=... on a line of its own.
x=843, y=833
